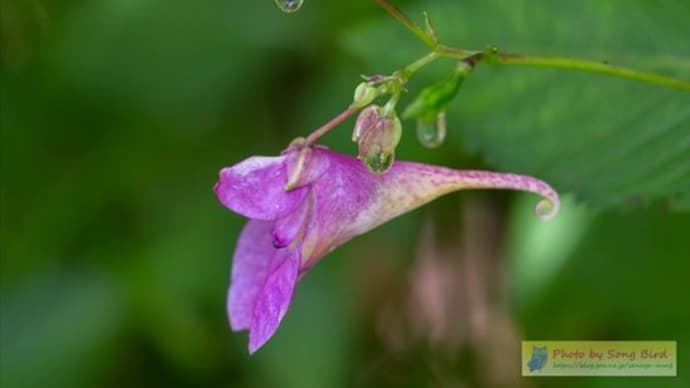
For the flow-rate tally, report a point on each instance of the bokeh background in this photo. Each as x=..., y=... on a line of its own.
x=116, y=116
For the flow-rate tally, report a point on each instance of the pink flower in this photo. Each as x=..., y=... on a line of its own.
x=305, y=203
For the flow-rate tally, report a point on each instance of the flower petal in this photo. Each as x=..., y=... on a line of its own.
x=252, y=260
x=255, y=189
x=352, y=201
x=413, y=184
x=347, y=190
x=262, y=283
x=273, y=301
x=286, y=229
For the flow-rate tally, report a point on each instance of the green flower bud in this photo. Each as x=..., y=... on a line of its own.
x=435, y=98
x=365, y=93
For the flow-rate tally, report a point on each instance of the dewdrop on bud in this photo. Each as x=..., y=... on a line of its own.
x=379, y=163
x=289, y=6
x=432, y=132
x=377, y=135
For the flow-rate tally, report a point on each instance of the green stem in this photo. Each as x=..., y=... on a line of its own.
x=454, y=53
x=591, y=67
x=404, y=74
x=475, y=57
x=408, y=23
x=567, y=64
x=409, y=70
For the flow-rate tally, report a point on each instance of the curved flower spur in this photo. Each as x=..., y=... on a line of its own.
x=308, y=201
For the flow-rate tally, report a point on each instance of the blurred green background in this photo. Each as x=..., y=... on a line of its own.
x=116, y=116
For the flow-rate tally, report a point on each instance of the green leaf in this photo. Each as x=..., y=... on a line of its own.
x=612, y=142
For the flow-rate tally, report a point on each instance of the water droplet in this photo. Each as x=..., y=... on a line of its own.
x=431, y=133
x=379, y=162
x=289, y=6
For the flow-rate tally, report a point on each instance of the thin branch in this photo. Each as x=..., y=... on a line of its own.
x=591, y=67
x=407, y=22
x=475, y=57
x=334, y=122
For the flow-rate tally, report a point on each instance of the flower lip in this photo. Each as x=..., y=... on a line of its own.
x=269, y=188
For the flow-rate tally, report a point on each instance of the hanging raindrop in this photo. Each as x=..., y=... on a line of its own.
x=431, y=133
x=289, y=6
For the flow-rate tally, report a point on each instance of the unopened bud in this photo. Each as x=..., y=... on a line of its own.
x=365, y=121
x=365, y=93
x=435, y=98
x=377, y=135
